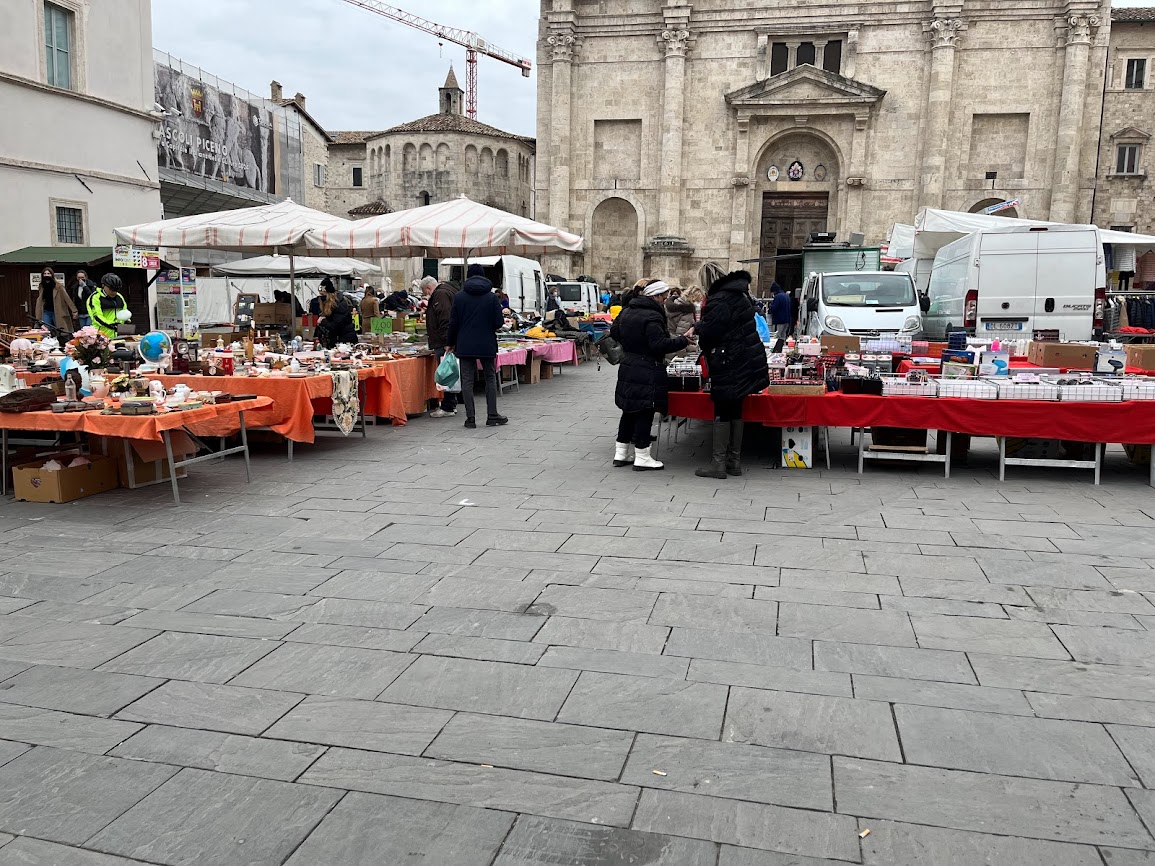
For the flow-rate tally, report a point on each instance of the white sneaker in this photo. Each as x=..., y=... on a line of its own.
x=643, y=461
x=623, y=454
x=441, y=413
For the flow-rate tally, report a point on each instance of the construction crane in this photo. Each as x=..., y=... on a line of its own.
x=473, y=44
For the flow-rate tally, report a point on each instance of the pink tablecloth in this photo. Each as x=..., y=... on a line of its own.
x=564, y=352
x=514, y=358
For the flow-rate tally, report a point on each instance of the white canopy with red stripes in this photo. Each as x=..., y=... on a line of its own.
x=272, y=228
x=450, y=228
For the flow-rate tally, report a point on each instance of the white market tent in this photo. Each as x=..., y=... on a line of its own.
x=278, y=266
x=936, y=228
x=457, y=227
x=272, y=229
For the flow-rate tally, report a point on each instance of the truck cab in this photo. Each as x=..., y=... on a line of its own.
x=863, y=303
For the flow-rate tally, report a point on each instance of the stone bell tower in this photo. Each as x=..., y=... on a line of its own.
x=451, y=98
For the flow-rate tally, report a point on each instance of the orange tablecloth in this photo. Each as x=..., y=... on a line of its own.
x=295, y=401
x=147, y=427
x=37, y=378
x=414, y=378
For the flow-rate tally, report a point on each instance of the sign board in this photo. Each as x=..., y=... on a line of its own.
x=381, y=325
x=1001, y=206
x=176, y=302
x=127, y=256
x=246, y=306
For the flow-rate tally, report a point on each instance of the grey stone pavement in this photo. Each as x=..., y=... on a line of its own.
x=442, y=646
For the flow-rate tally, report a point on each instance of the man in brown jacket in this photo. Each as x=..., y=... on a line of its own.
x=370, y=309
x=440, y=302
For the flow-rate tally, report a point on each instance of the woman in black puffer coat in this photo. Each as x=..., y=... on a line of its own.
x=644, y=332
x=736, y=362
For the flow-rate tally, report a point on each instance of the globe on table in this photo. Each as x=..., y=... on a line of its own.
x=155, y=347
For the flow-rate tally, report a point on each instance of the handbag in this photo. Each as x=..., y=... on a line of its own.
x=448, y=373
x=610, y=349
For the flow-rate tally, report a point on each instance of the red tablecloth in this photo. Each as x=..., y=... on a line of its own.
x=148, y=427
x=1132, y=422
x=1017, y=363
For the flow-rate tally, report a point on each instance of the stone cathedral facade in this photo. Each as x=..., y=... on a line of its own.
x=675, y=134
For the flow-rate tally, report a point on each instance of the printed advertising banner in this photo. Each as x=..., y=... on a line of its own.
x=214, y=134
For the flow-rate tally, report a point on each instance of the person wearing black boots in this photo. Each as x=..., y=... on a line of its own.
x=644, y=333
x=736, y=365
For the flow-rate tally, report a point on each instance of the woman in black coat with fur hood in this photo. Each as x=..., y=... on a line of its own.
x=736, y=362
x=644, y=333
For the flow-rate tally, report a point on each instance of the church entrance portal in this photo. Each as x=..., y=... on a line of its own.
x=787, y=221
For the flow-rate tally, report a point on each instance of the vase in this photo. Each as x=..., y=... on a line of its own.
x=99, y=385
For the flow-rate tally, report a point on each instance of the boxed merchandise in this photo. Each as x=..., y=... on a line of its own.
x=1110, y=359
x=1068, y=356
x=32, y=483
x=797, y=447
x=835, y=344
x=999, y=362
x=1141, y=357
x=951, y=370
x=958, y=356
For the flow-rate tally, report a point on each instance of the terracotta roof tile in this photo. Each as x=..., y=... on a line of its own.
x=451, y=123
x=373, y=208
x=353, y=136
x=1133, y=13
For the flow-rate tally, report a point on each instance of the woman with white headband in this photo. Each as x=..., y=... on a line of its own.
x=643, y=331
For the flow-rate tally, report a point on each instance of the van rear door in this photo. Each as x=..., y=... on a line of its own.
x=1007, y=266
x=1065, y=289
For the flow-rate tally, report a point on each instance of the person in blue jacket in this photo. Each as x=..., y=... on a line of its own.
x=474, y=321
x=780, y=312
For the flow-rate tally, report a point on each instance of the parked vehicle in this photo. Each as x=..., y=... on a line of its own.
x=579, y=298
x=1015, y=281
x=861, y=303
x=519, y=278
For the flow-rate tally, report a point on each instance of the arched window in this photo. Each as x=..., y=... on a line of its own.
x=387, y=158
x=424, y=198
x=470, y=159
x=502, y=163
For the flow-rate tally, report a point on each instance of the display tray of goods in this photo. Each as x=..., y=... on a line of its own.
x=913, y=384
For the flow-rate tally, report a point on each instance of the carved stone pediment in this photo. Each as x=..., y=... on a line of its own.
x=805, y=89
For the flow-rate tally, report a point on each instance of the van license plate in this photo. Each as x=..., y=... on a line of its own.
x=1003, y=326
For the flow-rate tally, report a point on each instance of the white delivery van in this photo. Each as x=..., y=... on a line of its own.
x=862, y=303
x=580, y=298
x=521, y=279
x=1015, y=281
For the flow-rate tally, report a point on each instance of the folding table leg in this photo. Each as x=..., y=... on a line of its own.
x=861, y=447
x=245, y=445
x=1002, y=457
x=826, y=445
x=1098, y=460
x=290, y=448
x=946, y=463
x=4, y=446
x=361, y=395
x=171, y=467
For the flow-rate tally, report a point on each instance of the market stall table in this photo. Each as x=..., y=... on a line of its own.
x=1017, y=363
x=151, y=428
x=1131, y=422
x=414, y=381
x=560, y=352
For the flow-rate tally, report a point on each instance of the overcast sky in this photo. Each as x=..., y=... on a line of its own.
x=358, y=69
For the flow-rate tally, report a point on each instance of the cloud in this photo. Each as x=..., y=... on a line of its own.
x=359, y=70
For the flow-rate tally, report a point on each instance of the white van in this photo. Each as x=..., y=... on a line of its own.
x=521, y=279
x=1015, y=281
x=580, y=298
x=862, y=303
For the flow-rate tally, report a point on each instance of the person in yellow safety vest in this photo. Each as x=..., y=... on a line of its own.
x=108, y=308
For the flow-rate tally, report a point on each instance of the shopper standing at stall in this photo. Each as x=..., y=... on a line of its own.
x=370, y=310
x=643, y=331
x=54, y=307
x=474, y=321
x=336, y=322
x=736, y=366
x=85, y=288
x=780, y=316
x=439, y=304
x=108, y=308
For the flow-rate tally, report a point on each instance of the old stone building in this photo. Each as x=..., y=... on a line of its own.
x=432, y=159
x=1123, y=197
x=680, y=134
x=315, y=143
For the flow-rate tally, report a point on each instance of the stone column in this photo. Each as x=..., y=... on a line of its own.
x=740, y=237
x=944, y=34
x=668, y=247
x=856, y=176
x=562, y=46
x=1069, y=139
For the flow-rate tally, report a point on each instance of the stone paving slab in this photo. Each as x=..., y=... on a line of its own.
x=225, y=753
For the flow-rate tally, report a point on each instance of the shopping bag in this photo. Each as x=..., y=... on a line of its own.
x=610, y=349
x=448, y=375
x=763, y=328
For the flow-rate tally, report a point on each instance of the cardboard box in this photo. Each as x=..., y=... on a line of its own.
x=833, y=344
x=149, y=461
x=1068, y=356
x=1142, y=357
x=1105, y=356
x=273, y=314
x=796, y=390
x=30, y=483
x=797, y=447
x=530, y=372
x=546, y=368
x=957, y=356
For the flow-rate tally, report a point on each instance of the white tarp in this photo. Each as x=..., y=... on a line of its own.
x=268, y=228
x=900, y=245
x=449, y=228
x=935, y=229
x=216, y=296
x=269, y=266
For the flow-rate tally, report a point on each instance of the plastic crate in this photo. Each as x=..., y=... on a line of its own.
x=1087, y=390
x=901, y=386
x=1137, y=389
x=1025, y=390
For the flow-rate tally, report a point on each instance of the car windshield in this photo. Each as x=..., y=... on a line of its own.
x=868, y=290
x=569, y=292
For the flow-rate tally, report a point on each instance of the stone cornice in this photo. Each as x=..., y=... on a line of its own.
x=79, y=97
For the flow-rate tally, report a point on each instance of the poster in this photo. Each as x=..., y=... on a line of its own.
x=127, y=256
x=176, y=302
x=213, y=134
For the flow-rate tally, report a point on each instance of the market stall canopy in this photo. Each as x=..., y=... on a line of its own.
x=278, y=266
x=936, y=228
x=268, y=228
x=900, y=245
x=449, y=228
